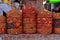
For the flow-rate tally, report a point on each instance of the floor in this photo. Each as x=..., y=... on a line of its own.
x=30, y=37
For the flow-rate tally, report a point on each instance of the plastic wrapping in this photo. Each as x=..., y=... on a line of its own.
x=14, y=22
x=2, y=30
x=29, y=19
x=2, y=25
x=2, y=19
x=44, y=22
x=56, y=15
x=14, y=31
x=44, y=13
x=57, y=26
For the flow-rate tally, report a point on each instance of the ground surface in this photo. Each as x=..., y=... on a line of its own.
x=30, y=37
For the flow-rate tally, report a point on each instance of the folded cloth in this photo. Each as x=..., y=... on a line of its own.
x=1, y=38
x=1, y=1
x=5, y=7
x=1, y=12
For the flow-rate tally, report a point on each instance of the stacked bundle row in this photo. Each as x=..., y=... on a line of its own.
x=29, y=19
x=2, y=25
x=14, y=22
x=44, y=22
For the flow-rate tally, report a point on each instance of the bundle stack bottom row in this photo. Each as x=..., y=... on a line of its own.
x=56, y=23
x=29, y=19
x=30, y=22
x=44, y=22
x=14, y=22
x=2, y=25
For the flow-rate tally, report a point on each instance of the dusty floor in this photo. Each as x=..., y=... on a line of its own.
x=30, y=37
